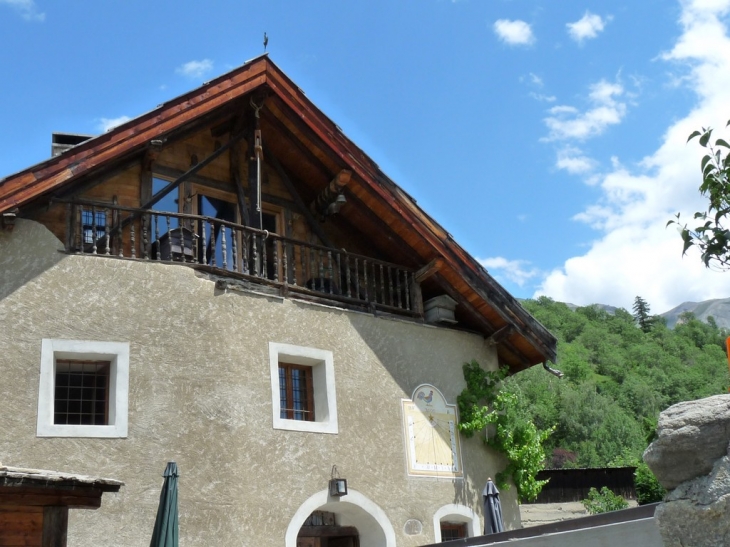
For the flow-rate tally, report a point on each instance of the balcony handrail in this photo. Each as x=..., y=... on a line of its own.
x=228, y=224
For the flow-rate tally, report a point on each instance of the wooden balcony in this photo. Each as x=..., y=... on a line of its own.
x=235, y=251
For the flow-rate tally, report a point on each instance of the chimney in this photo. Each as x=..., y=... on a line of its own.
x=60, y=142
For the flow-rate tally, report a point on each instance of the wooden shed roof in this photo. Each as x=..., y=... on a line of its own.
x=307, y=143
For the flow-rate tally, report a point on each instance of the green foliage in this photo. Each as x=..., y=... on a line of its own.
x=648, y=489
x=641, y=314
x=617, y=380
x=603, y=501
x=488, y=402
x=711, y=236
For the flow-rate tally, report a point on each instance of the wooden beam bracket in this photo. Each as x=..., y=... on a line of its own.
x=500, y=335
x=429, y=269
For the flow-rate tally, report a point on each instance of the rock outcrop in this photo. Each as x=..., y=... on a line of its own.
x=691, y=457
x=691, y=437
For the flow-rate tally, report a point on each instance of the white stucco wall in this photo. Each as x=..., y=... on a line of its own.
x=200, y=394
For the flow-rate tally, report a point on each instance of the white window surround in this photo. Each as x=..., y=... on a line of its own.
x=323, y=379
x=117, y=353
x=456, y=513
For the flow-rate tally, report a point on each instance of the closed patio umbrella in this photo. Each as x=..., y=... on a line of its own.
x=165, y=533
x=492, y=509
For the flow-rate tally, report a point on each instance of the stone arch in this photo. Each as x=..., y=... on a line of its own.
x=456, y=513
x=354, y=509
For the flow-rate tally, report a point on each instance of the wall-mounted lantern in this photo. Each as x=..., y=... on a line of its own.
x=338, y=486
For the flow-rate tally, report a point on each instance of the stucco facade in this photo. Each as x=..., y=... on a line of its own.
x=199, y=393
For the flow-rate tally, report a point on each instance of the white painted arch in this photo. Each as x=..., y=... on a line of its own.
x=456, y=513
x=354, y=509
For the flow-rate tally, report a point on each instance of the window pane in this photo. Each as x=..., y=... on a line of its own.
x=81, y=392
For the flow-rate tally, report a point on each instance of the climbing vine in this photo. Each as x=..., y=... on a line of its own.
x=485, y=402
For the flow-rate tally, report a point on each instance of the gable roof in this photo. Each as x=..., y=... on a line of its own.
x=309, y=140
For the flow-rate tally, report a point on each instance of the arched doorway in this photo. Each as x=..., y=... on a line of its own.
x=357, y=520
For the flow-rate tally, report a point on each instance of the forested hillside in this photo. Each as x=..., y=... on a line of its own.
x=618, y=377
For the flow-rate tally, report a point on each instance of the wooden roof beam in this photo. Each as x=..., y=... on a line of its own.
x=330, y=193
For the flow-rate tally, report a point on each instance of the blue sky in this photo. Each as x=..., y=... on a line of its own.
x=547, y=137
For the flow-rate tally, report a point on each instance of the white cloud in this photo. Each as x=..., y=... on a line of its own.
x=634, y=254
x=106, y=124
x=514, y=33
x=516, y=271
x=543, y=98
x=195, y=69
x=27, y=9
x=588, y=27
x=574, y=161
x=567, y=122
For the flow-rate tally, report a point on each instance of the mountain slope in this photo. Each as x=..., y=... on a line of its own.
x=718, y=308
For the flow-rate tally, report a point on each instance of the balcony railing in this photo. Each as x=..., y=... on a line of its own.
x=235, y=250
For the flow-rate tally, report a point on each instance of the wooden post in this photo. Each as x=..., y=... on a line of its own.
x=416, y=296
x=55, y=526
x=145, y=187
x=253, y=183
x=235, y=169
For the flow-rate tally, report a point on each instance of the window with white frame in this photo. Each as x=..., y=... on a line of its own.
x=455, y=521
x=83, y=389
x=302, y=388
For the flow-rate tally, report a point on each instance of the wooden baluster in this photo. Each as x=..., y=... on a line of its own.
x=145, y=240
x=321, y=270
x=285, y=251
x=264, y=268
x=276, y=260
x=397, y=281
x=203, y=256
x=93, y=230
x=156, y=218
x=169, y=236
x=213, y=243
x=294, y=264
x=245, y=238
x=131, y=237
x=329, y=268
x=234, y=245
x=407, y=292
x=391, y=300
x=382, y=285
x=194, y=242
x=306, y=266
x=339, y=272
x=357, y=280
x=347, y=275
x=120, y=234
x=107, y=250
x=254, y=239
x=70, y=239
x=182, y=239
x=224, y=251
x=82, y=239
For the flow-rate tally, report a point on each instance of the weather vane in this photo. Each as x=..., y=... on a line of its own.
x=266, y=41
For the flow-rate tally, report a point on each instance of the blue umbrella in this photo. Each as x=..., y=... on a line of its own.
x=165, y=533
x=493, y=522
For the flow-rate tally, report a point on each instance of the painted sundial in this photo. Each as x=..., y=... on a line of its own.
x=432, y=436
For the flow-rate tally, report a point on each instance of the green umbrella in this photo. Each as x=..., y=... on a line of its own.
x=165, y=533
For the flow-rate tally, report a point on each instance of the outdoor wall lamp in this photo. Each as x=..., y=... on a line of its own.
x=338, y=486
x=335, y=206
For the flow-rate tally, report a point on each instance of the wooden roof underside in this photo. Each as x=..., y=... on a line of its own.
x=311, y=149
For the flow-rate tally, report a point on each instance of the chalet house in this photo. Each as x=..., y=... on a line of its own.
x=229, y=282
